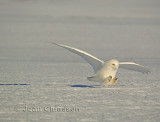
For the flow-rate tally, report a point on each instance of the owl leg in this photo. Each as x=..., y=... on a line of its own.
x=108, y=79
x=115, y=80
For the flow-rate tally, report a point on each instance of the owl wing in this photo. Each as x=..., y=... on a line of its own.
x=134, y=66
x=93, y=61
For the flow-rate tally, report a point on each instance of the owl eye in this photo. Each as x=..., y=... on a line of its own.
x=113, y=65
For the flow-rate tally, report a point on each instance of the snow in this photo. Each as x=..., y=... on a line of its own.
x=125, y=30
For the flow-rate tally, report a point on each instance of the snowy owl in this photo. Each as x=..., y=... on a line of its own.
x=105, y=72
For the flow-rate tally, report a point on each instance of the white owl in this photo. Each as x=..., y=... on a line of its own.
x=105, y=72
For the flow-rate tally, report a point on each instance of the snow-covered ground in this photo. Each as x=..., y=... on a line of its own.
x=40, y=81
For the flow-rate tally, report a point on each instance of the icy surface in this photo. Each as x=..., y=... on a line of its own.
x=38, y=75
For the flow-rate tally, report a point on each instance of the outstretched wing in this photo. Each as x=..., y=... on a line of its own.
x=133, y=66
x=93, y=61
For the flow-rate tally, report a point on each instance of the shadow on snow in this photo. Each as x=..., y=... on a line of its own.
x=14, y=84
x=85, y=86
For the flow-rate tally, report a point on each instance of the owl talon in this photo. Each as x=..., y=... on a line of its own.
x=108, y=79
x=115, y=80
